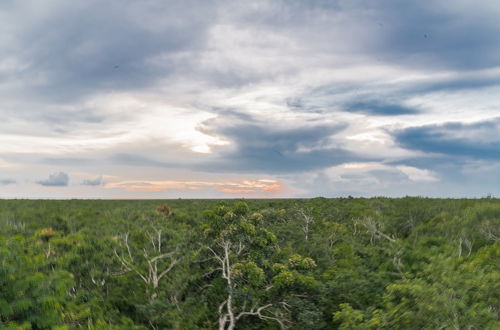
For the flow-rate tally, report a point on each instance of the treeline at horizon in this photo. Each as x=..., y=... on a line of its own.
x=341, y=263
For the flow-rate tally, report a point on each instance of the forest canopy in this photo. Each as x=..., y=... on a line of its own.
x=345, y=263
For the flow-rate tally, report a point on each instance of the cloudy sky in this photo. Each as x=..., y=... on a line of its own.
x=282, y=98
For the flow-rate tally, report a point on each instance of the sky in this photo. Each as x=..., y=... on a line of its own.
x=249, y=99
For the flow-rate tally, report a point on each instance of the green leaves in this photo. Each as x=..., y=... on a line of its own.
x=249, y=273
x=28, y=295
x=306, y=264
x=296, y=261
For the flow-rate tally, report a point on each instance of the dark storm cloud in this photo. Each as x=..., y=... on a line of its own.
x=475, y=82
x=60, y=179
x=465, y=36
x=95, y=46
x=379, y=108
x=259, y=148
x=434, y=162
x=267, y=149
x=382, y=99
x=478, y=140
x=414, y=33
x=113, y=45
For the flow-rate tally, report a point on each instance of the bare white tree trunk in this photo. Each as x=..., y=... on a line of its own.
x=372, y=226
x=49, y=252
x=308, y=220
x=153, y=272
x=227, y=311
x=468, y=244
x=227, y=319
x=490, y=231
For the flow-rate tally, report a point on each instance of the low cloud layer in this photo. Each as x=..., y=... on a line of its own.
x=93, y=182
x=60, y=179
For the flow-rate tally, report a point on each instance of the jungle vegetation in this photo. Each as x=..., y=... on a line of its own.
x=345, y=263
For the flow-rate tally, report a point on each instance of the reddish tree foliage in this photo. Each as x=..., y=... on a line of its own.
x=46, y=234
x=165, y=210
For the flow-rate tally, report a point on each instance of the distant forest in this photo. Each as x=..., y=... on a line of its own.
x=344, y=263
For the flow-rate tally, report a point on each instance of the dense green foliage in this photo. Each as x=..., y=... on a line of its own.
x=410, y=263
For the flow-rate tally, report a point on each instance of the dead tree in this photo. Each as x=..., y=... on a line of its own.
x=229, y=313
x=307, y=220
x=490, y=231
x=152, y=263
x=468, y=244
x=374, y=228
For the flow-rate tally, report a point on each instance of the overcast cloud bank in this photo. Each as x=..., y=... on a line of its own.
x=319, y=98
